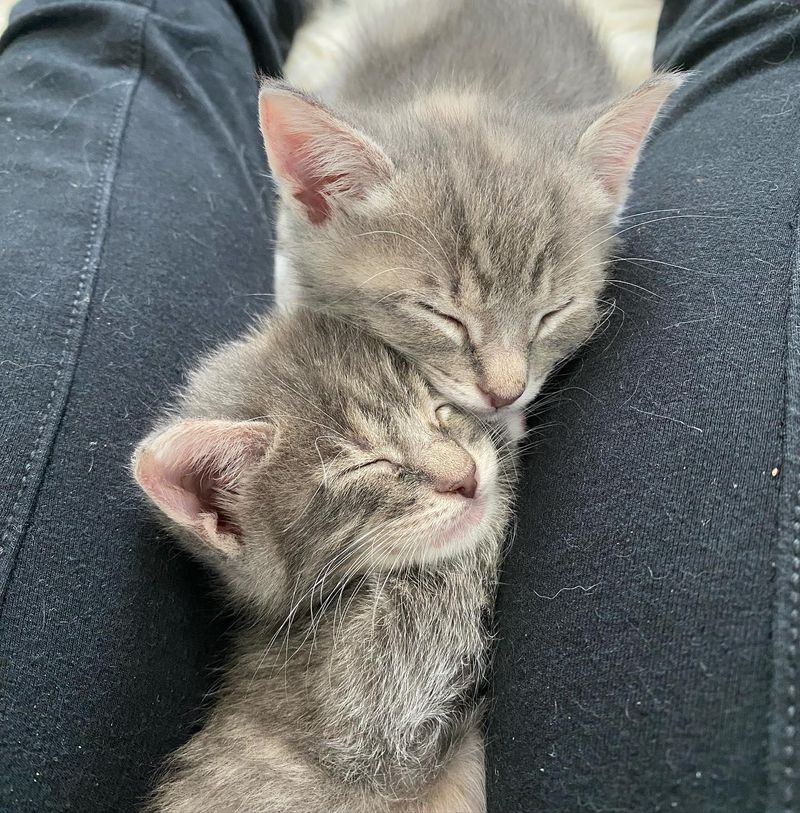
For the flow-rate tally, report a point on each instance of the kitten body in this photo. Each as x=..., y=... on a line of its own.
x=356, y=523
x=456, y=188
x=369, y=705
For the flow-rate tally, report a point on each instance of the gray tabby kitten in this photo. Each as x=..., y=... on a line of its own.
x=457, y=188
x=356, y=522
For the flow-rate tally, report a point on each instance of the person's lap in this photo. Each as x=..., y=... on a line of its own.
x=136, y=231
x=635, y=669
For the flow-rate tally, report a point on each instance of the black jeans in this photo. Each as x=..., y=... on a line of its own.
x=649, y=609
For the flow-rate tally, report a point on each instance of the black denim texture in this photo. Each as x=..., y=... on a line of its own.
x=648, y=613
x=135, y=232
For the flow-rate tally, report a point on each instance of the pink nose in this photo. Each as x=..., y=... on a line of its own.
x=466, y=485
x=501, y=399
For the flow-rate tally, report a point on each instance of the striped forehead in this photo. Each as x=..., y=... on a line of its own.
x=499, y=247
x=386, y=405
x=496, y=208
x=396, y=420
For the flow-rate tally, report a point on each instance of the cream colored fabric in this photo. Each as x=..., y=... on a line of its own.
x=5, y=9
x=628, y=27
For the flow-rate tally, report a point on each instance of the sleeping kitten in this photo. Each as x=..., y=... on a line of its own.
x=456, y=191
x=356, y=522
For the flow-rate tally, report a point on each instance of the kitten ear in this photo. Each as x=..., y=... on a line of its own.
x=194, y=469
x=316, y=158
x=612, y=143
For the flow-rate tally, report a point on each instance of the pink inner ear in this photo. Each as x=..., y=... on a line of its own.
x=193, y=469
x=315, y=156
x=612, y=143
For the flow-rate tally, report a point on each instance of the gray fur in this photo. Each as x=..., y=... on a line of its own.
x=491, y=212
x=461, y=177
x=356, y=682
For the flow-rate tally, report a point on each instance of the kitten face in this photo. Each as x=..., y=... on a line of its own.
x=486, y=277
x=477, y=251
x=327, y=454
x=406, y=482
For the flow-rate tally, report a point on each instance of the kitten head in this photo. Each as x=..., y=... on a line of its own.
x=473, y=239
x=314, y=450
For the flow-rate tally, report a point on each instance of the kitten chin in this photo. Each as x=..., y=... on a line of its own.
x=456, y=191
x=356, y=521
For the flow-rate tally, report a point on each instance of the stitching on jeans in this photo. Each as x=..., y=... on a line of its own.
x=787, y=700
x=70, y=327
x=91, y=263
x=794, y=629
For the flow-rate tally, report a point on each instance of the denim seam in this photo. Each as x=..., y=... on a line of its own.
x=791, y=691
x=790, y=729
x=782, y=797
x=15, y=527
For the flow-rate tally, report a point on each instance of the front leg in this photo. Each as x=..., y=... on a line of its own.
x=399, y=679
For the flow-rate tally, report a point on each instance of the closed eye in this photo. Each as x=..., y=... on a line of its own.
x=445, y=318
x=551, y=318
x=381, y=465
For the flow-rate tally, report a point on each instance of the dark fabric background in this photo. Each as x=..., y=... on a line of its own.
x=135, y=230
x=635, y=670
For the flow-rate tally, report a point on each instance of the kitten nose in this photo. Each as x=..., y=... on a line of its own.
x=501, y=399
x=465, y=484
